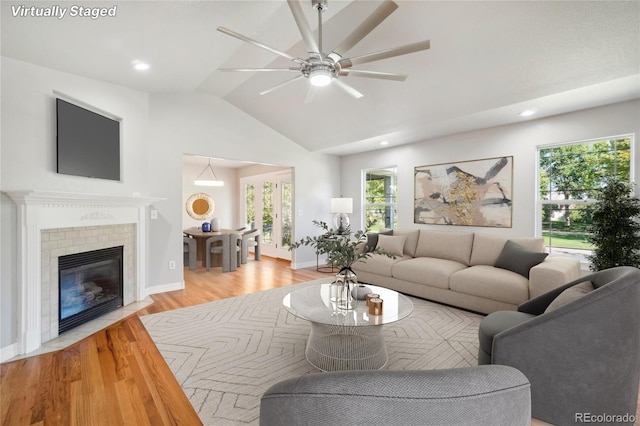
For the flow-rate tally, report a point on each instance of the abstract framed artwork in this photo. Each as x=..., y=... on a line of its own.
x=468, y=193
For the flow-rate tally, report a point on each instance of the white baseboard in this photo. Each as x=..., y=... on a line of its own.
x=165, y=287
x=301, y=265
x=8, y=352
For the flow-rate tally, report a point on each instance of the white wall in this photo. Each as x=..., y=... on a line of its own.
x=157, y=131
x=518, y=140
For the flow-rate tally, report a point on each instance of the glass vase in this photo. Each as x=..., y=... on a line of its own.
x=346, y=280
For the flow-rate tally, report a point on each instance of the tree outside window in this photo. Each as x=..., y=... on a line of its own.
x=380, y=197
x=570, y=177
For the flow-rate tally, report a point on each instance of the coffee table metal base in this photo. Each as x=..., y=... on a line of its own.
x=337, y=347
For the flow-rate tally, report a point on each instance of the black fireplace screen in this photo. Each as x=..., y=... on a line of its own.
x=90, y=285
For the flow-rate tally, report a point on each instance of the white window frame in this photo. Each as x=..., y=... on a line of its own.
x=393, y=205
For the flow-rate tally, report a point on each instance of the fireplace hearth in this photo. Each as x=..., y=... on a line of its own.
x=90, y=285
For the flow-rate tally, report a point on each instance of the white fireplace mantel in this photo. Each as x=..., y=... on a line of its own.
x=38, y=210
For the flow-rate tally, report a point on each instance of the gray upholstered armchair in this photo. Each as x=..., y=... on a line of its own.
x=486, y=395
x=582, y=356
x=251, y=238
x=189, y=248
x=228, y=245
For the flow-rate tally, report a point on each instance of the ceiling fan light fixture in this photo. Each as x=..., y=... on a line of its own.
x=320, y=77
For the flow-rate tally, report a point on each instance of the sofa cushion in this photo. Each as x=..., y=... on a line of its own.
x=571, y=294
x=392, y=244
x=372, y=239
x=516, y=258
x=378, y=264
x=454, y=246
x=491, y=283
x=487, y=248
x=412, y=239
x=429, y=271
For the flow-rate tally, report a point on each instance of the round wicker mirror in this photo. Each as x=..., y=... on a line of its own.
x=200, y=206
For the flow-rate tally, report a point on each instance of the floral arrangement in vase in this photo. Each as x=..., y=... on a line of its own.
x=342, y=250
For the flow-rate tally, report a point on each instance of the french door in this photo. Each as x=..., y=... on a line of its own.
x=268, y=206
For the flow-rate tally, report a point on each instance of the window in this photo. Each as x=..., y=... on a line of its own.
x=570, y=176
x=250, y=205
x=380, y=197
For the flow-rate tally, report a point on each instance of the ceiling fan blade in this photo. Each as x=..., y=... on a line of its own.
x=372, y=21
x=259, y=69
x=350, y=90
x=385, y=54
x=284, y=83
x=303, y=26
x=258, y=44
x=373, y=74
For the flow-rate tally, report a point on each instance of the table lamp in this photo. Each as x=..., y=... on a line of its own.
x=341, y=207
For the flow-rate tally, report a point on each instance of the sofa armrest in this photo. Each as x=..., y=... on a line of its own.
x=552, y=273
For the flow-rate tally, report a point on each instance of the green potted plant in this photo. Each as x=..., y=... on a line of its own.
x=342, y=250
x=615, y=229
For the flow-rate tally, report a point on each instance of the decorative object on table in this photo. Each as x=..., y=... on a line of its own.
x=360, y=291
x=371, y=296
x=346, y=282
x=208, y=177
x=206, y=227
x=200, y=206
x=615, y=228
x=215, y=224
x=375, y=306
x=341, y=207
x=342, y=251
x=470, y=193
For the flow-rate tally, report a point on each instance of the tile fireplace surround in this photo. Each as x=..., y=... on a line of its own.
x=53, y=224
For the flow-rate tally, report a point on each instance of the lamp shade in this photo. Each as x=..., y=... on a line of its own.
x=342, y=205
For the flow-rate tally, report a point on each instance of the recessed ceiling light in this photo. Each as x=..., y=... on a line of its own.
x=527, y=113
x=140, y=66
x=384, y=143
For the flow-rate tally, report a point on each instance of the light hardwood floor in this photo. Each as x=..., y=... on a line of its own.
x=117, y=376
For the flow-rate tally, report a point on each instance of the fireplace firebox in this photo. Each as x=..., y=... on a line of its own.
x=90, y=285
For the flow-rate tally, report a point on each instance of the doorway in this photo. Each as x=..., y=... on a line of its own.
x=267, y=205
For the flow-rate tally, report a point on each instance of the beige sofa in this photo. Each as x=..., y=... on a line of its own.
x=458, y=268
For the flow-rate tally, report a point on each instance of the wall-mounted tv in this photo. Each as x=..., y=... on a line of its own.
x=88, y=144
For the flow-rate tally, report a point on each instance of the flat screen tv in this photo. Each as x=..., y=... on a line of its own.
x=88, y=144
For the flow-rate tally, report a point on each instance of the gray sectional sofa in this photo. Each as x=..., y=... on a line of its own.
x=480, y=272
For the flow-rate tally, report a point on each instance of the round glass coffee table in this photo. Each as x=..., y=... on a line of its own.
x=345, y=339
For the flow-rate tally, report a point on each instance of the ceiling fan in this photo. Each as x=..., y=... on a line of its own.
x=322, y=69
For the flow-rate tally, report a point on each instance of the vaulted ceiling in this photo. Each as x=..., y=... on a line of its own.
x=488, y=61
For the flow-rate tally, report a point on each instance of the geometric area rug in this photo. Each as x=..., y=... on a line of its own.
x=225, y=354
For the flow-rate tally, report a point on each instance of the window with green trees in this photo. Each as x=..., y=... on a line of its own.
x=570, y=177
x=380, y=197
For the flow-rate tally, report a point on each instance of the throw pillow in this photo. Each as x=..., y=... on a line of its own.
x=516, y=258
x=391, y=244
x=569, y=295
x=372, y=239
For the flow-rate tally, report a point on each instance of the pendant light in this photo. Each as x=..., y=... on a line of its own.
x=208, y=177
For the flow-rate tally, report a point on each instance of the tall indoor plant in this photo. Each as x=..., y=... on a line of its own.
x=615, y=227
